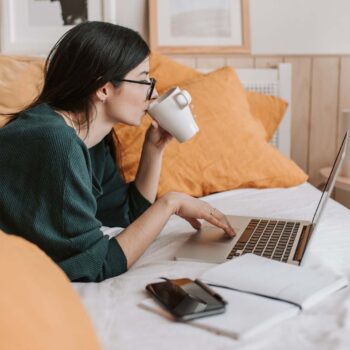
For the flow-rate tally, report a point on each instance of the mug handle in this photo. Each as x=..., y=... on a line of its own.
x=183, y=98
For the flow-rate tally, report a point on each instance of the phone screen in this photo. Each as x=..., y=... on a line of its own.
x=185, y=299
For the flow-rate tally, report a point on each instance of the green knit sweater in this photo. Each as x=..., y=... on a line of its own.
x=57, y=193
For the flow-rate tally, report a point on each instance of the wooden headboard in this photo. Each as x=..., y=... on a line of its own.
x=272, y=81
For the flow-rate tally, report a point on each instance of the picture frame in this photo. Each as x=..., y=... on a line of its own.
x=199, y=26
x=32, y=27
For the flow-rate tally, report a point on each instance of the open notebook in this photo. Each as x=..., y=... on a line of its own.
x=260, y=293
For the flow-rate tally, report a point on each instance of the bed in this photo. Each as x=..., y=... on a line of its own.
x=113, y=304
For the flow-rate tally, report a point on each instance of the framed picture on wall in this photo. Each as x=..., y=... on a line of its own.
x=199, y=26
x=33, y=26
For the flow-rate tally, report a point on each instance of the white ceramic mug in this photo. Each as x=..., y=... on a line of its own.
x=173, y=113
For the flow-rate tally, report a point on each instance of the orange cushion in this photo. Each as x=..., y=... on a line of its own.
x=169, y=73
x=39, y=309
x=21, y=79
x=269, y=110
x=230, y=150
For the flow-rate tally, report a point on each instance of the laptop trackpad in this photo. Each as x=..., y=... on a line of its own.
x=212, y=234
x=210, y=244
x=209, y=234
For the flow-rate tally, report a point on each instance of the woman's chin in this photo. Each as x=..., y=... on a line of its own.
x=137, y=121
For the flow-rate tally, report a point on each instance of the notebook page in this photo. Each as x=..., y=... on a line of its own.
x=300, y=285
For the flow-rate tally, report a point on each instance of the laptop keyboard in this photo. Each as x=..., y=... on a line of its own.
x=269, y=238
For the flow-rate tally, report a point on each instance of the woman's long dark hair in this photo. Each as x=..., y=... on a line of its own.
x=84, y=59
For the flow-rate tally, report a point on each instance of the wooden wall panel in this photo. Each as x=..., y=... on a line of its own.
x=344, y=93
x=268, y=62
x=211, y=62
x=240, y=62
x=324, y=115
x=301, y=87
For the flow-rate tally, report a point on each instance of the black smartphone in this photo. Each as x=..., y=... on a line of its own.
x=187, y=299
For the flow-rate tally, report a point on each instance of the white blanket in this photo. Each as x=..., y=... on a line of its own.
x=121, y=324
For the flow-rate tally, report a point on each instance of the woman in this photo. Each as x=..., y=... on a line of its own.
x=59, y=183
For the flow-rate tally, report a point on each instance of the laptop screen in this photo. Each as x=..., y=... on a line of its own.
x=331, y=180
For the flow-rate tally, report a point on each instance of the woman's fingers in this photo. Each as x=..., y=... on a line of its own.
x=192, y=209
x=194, y=222
x=155, y=123
x=219, y=219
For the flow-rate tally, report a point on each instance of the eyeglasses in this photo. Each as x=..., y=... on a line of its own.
x=151, y=83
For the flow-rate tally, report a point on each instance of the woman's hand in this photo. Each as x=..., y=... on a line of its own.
x=157, y=137
x=191, y=209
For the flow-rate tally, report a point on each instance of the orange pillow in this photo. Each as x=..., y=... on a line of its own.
x=268, y=110
x=230, y=150
x=39, y=309
x=169, y=73
x=21, y=79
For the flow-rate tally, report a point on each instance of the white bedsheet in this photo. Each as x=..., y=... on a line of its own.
x=121, y=324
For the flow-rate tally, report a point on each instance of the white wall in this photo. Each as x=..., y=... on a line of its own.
x=277, y=26
x=133, y=14
x=300, y=26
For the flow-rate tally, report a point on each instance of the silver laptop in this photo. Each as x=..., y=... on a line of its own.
x=279, y=239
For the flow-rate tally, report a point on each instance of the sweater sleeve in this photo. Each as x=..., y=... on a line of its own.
x=120, y=203
x=93, y=257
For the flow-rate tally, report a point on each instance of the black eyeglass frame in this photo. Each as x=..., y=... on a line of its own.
x=151, y=83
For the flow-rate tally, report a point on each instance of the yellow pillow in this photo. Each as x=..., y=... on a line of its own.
x=21, y=79
x=230, y=150
x=269, y=110
x=169, y=73
x=39, y=309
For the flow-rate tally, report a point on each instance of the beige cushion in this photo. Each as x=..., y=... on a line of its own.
x=230, y=150
x=21, y=79
x=39, y=309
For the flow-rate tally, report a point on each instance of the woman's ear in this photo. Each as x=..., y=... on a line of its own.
x=103, y=92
